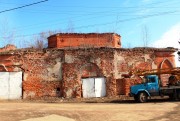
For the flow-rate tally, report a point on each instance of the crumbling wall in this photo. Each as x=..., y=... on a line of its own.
x=133, y=60
x=89, y=40
x=165, y=60
x=42, y=74
x=6, y=63
x=139, y=59
x=8, y=48
x=55, y=72
x=87, y=63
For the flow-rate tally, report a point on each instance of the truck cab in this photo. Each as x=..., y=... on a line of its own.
x=149, y=87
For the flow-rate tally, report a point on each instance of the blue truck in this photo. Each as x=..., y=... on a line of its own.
x=151, y=86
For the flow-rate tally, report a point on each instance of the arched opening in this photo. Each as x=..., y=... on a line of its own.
x=90, y=70
x=93, y=84
x=165, y=64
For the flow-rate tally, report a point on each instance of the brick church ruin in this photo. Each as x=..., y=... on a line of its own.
x=82, y=65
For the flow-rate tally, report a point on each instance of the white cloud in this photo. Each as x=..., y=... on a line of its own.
x=170, y=39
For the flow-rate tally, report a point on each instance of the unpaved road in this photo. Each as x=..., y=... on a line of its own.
x=152, y=111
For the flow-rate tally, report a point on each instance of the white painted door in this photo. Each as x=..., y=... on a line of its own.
x=10, y=85
x=100, y=87
x=93, y=87
x=4, y=85
x=15, y=91
x=88, y=87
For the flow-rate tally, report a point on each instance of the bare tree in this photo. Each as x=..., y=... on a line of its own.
x=40, y=41
x=145, y=36
x=70, y=27
x=7, y=34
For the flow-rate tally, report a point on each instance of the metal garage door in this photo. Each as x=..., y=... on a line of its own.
x=100, y=87
x=88, y=87
x=94, y=87
x=10, y=85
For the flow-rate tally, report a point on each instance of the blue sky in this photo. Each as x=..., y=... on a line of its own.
x=160, y=19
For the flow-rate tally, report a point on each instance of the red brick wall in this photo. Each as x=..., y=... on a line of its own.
x=87, y=63
x=84, y=40
x=40, y=76
x=164, y=60
x=36, y=89
x=8, y=48
x=42, y=70
x=120, y=84
x=164, y=57
x=145, y=59
x=123, y=85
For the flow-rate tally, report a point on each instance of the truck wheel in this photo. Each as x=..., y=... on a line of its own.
x=142, y=97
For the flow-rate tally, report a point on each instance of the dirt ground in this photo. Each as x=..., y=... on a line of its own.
x=112, y=111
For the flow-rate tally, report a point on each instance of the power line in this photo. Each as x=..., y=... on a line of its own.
x=85, y=14
x=23, y=6
x=73, y=6
x=129, y=19
x=94, y=13
x=106, y=13
x=119, y=21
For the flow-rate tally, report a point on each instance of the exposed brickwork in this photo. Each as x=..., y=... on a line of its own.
x=33, y=89
x=64, y=40
x=86, y=63
x=41, y=70
x=7, y=48
x=141, y=59
x=58, y=72
x=111, y=87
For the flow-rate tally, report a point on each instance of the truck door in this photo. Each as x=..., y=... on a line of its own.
x=153, y=86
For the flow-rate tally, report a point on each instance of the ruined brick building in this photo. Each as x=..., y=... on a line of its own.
x=81, y=65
